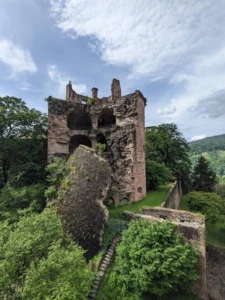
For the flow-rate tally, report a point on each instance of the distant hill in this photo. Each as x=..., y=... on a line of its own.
x=213, y=149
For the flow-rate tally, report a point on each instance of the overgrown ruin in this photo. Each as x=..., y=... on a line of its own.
x=116, y=122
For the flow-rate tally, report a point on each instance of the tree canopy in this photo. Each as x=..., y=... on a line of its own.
x=39, y=261
x=204, y=177
x=166, y=145
x=23, y=142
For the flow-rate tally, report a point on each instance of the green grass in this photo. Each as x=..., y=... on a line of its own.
x=213, y=234
x=152, y=199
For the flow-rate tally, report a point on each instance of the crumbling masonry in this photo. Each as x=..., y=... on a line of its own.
x=116, y=121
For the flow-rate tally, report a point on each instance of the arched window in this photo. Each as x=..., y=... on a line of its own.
x=106, y=118
x=79, y=120
x=77, y=140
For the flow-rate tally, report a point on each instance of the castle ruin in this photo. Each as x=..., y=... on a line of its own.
x=116, y=122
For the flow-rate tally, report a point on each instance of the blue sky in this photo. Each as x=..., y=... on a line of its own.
x=173, y=51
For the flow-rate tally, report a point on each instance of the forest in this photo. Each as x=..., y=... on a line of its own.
x=213, y=149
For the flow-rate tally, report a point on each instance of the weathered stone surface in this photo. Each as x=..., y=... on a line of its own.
x=117, y=120
x=215, y=272
x=173, y=198
x=81, y=198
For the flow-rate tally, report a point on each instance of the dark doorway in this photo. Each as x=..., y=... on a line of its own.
x=79, y=120
x=106, y=118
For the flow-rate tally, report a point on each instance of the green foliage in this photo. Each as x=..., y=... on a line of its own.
x=166, y=145
x=151, y=258
x=213, y=149
x=23, y=142
x=15, y=201
x=204, y=178
x=208, y=144
x=38, y=261
x=65, y=273
x=101, y=148
x=209, y=204
x=57, y=171
x=156, y=174
x=90, y=101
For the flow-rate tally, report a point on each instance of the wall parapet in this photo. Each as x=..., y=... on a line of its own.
x=173, y=198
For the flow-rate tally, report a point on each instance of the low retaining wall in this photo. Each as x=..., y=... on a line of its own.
x=173, y=198
x=193, y=229
x=215, y=272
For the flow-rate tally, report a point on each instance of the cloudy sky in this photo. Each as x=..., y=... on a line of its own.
x=171, y=50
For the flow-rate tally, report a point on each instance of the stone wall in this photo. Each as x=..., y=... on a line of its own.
x=173, y=198
x=215, y=272
x=117, y=121
x=193, y=229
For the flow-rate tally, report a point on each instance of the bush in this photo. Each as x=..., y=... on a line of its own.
x=156, y=174
x=57, y=170
x=35, y=247
x=13, y=200
x=151, y=258
x=210, y=204
x=65, y=274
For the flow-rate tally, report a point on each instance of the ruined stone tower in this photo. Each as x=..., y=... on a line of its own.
x=116, y=121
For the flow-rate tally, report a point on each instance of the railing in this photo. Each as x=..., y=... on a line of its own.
x=117, y=225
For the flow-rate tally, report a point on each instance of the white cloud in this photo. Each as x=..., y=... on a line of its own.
x=150, y=37
x=15, y=57
x=198, y=137
x=60, y=80
x=170, y=109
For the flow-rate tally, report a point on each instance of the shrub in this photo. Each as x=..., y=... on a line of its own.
x=156, y=174
x=210, y=204
x=56, y=170
x=13, y=200
x=36, y=246
x=65, y=274
x=151, y=258
x=101, y=147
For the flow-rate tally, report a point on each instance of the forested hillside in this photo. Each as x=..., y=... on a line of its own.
x=213, y=149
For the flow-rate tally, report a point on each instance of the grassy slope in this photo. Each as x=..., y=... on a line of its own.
x=213, y=235
x=153, y=199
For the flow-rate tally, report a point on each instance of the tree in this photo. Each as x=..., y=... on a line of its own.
x=166, y=145
x=209, y=204
x=156, y=174
x=23, y=141
x=35, y=256
x=204, y=178
x=14, y=200
x=151, y=258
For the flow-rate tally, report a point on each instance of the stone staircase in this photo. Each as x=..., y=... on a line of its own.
x=107, y=259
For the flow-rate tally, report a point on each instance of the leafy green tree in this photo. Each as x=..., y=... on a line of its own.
x=23, y=142
x=14, y=200
x=204, y=178
x=209, y=204
x=65, y=273
x=156, y=174
x=151, y=258
x=37, y=246
x=166, y=145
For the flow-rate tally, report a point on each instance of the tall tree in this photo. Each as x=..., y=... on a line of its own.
x=166, y=145
x=23, y=134
x=204, y=177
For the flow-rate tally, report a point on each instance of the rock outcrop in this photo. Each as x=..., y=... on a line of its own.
x=81, y=198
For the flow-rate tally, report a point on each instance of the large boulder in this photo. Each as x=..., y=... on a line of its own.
x=81, y=198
